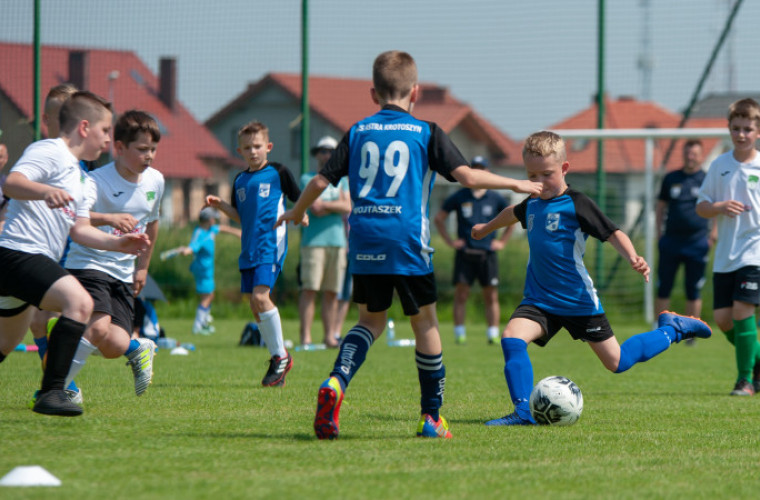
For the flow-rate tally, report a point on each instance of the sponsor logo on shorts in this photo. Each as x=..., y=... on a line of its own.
x=594, y=330
x=749, y=285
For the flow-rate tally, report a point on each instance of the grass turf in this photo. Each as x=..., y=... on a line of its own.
x=206, y=427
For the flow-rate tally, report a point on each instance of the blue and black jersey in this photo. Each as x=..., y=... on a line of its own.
x=557, y=280
x=680, y=190
x=259, y=198
x=391, y=160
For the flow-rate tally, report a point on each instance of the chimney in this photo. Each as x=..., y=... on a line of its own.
x=167, y=75
x=79, y=69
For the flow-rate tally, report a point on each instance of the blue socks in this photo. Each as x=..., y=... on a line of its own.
x=518, y=370
x=352, y=353
x=133, y=344
x=42, y=345
x=432, y=375
x=645, y=346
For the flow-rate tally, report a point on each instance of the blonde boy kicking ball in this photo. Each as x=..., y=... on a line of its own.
x=559, y=292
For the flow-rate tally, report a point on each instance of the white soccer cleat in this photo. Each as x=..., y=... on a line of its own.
x=141, y=361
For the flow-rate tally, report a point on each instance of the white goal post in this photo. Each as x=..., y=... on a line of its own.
x=649, y=135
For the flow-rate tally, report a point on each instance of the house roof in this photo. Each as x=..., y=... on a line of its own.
x=184, y=141
x=715, y=105
x=343, y=101
x=628, y=155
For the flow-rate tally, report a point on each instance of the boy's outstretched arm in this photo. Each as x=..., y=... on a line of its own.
x=85, y=234
x=505, y=218
x=624, y=246
x=482, y=179
x=229, y=210
x=20, y=187
x=297, y=214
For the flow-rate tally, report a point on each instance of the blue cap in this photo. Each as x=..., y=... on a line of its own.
x=479, y=160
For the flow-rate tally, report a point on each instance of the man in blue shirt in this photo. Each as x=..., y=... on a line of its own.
x=474, y=258
x=687, y=237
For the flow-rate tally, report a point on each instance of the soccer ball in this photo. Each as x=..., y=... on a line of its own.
x=556, y=401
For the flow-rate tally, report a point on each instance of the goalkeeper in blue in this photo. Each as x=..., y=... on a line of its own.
x=391, y=159
x=558, y=289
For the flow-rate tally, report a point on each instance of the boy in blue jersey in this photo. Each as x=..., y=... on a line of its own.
x=203, y=246
x=258, y=199
x=391, y=159
x=558, y=289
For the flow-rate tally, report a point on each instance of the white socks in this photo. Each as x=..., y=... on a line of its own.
x=84, y=350
x=271, y=331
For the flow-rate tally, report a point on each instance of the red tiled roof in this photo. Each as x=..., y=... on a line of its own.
x=343, y=101
x=184, y=141
x=628, y=155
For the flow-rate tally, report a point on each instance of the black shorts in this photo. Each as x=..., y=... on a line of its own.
x=586, y=328
x=742, y=285
x=110, y=296
x=27, y=277
x=376, y=291
x=481, y=264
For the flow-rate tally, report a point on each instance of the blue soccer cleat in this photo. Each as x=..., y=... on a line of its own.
x=511, y=419
x=433, y=429
x=686, y=327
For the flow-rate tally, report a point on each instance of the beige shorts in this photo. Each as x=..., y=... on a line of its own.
x=323, y=268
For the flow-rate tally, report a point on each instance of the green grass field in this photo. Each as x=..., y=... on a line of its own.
x=207, y=429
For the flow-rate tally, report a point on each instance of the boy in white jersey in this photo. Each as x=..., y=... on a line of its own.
x=391, y=159
x=558, y=289
x=127, y=185
x=731, y=194
x=47, y=188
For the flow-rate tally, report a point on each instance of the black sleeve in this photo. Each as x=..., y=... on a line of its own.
x=233, y=198
x=287, y=182
x=520, y=210
x=337, y=166
x=443, y=155
x=592, y=221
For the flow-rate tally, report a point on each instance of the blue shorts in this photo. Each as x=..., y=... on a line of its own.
x=204, y=285
x=263, y=275
x=693, y=256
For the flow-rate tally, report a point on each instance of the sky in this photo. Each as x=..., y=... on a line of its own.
x=522, y=65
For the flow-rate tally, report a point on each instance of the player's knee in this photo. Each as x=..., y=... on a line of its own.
x=78, y=307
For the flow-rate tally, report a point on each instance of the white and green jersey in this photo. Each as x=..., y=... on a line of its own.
x=738, y=237
x=31, y=226
x=113, y=194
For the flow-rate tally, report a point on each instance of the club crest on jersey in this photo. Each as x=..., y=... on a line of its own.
x=264, y=188
x=752, y=181
x=552, y=222
x=241, y=194
x=466, y=210
x=150, y=195
x=675, y=191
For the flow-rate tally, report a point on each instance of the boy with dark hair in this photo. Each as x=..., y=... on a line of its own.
x=559, y=292
x=258, y=197
x=391, y=159
x=129, y=185
x=47, y=188
x=730, y=194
